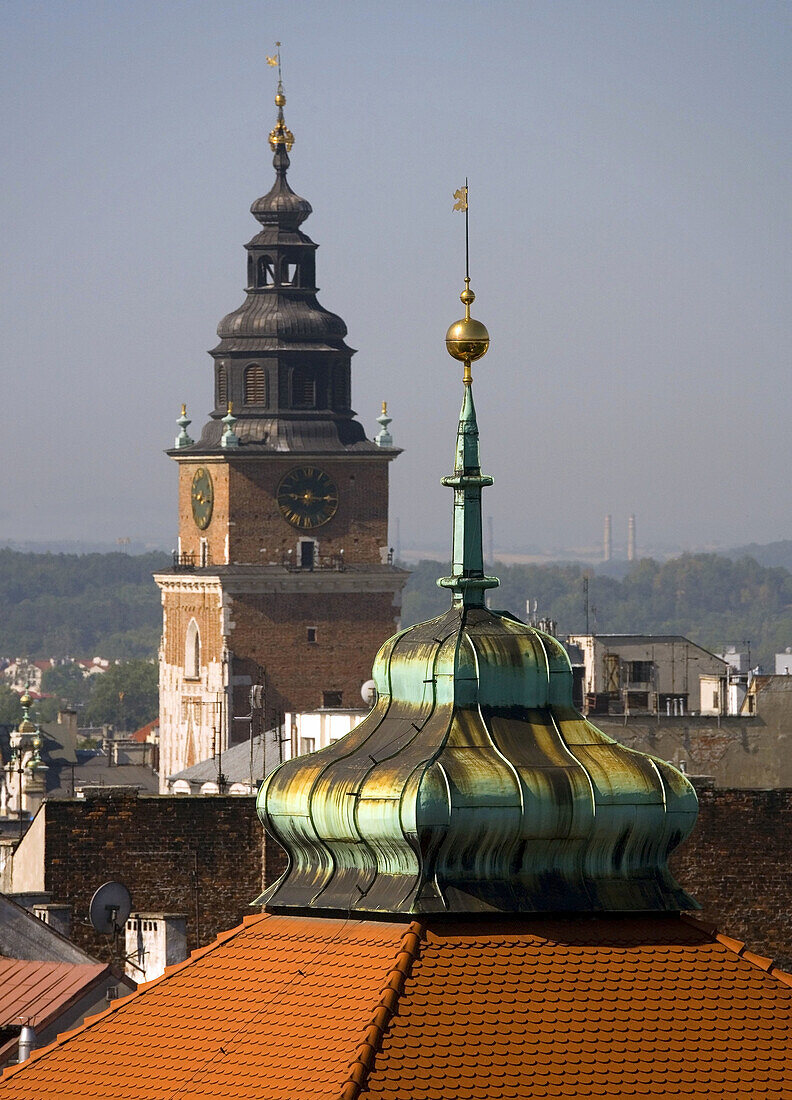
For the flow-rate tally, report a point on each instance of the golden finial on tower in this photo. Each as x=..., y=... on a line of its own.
x=384, y=408
x=280, y=134
x=468, y=339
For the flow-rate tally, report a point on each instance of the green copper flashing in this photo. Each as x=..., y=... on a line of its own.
x=467, y=581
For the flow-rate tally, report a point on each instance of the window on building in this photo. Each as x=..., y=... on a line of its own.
x=222, y=387
x=311, y=633
x=331, y=698
x=288, y=273
x=341, y=389
x=204, y=553
x=307, y=744
x=256, y=385
x=640, y=672
x=192, y=652
x=265, y=271
x=303, y=389
x=251, y=270
x=307, y=553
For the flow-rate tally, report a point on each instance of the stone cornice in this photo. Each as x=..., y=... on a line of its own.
x=267, y=580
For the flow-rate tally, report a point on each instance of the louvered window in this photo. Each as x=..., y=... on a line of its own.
x=222, y=387
x=255, y=386
x=303, y=390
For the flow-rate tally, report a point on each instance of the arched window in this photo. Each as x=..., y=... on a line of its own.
x=303, y=389
x=266, y=272
x=222, y=387
x=256, y=385
x=251, y=269
x=192, y=652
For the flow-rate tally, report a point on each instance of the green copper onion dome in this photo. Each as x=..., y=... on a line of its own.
x=474, y=785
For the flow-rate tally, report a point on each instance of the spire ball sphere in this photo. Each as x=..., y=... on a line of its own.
x=467, y=339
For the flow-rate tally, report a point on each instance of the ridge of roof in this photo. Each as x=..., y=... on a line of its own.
x=386, y=1009
x=91, y=1021
x=763, y=962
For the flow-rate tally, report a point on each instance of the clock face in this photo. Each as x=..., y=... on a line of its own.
x=202, y=497
x=307, y=497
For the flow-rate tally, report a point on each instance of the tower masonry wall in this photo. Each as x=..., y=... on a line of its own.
x=273, y=631
x=258, y=533
x=190, y=535
x=191, y=707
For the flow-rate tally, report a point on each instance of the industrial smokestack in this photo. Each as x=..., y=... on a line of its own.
x=607, y=540
x=631, y=538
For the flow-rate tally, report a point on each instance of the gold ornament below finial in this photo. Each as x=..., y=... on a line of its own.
x=184, y=410
x=467, y=340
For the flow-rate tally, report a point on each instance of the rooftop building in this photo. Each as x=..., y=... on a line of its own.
x=477, y=902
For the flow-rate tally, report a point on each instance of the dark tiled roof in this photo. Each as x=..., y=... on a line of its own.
x=299, y=1008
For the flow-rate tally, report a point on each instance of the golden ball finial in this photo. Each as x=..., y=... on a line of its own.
x=26, y=700
x=467, y=340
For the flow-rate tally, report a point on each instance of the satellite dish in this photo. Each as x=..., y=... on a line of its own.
x=110, y=907
x=368, y=693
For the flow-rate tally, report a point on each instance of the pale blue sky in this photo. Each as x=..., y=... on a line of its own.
x=631, y=205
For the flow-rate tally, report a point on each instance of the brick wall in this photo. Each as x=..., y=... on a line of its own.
x=215, y=533
x=273, y=631
x=736, y=864
x=359, y=526
x=246, y=509
x=199, y=856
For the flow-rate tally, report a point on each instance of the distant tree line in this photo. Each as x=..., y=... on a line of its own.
x=711, y=599
x=58, y=605
x=79, y=605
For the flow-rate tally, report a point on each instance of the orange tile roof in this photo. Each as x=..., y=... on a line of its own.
x=144, y=731
x=303, y=1008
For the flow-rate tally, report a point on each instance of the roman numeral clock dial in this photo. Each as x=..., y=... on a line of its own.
x=202, y=498
x=307, y=497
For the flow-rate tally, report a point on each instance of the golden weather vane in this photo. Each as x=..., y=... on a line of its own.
x=276, y=60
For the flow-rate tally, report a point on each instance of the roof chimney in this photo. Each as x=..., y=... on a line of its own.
x=27, y=1042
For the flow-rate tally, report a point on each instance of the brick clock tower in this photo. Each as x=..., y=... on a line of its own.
x=282, y=575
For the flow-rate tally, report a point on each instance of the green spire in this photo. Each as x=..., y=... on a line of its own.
x=467, y=581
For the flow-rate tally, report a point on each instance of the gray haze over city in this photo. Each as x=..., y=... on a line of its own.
x=631, y=209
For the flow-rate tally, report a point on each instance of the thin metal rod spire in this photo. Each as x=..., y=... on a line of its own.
x=467, y=233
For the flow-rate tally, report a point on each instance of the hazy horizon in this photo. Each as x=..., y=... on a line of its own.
x=630, y=230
